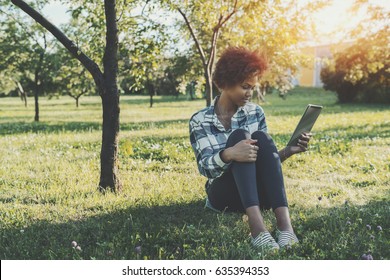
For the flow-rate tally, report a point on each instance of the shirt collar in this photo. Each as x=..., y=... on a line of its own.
x=211, y=111
x=211, y=115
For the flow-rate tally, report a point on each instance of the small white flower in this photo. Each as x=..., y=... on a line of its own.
x=155, y=147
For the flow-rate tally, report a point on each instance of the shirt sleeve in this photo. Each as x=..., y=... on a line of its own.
x=209, y=162
x=261, y=119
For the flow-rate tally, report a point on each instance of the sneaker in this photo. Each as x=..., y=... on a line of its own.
x=286, y=238
x=264, y=241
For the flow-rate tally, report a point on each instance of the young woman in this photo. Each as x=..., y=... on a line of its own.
x=234, y=151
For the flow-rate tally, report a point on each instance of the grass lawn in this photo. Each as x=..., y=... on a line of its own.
x=338, y=191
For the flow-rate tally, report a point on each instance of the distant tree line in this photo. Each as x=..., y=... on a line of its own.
x=361, y=73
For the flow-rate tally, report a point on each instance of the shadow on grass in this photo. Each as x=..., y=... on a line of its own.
x=152, y=228
x=344, y=232
x=9, y=128
x=187, y=231
x=146, y=101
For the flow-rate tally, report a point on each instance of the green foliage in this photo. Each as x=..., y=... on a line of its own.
x=360, y=73
x=49, y=174
x=276, y=28
x=22, y=43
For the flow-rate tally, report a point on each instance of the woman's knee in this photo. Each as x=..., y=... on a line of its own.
x=237, y=135
x=262, y=137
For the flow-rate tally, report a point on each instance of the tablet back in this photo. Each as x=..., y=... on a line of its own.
x=306, y=123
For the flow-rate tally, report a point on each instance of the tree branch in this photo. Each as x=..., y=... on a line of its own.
x=212, y=50
x=231, y=14
x=120, y=16
x=88, y=63
x=221, y=21
x=198, y=46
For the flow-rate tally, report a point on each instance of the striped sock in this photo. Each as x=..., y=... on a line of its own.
x=264, y=241
x=286, y=238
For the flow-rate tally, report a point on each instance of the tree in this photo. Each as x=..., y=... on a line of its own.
x=72, y=78
x=205, y=17
x=360, y=72
x=24, y=48
x=146, y=64
x=273, y=26
x=277, y=28
x=106, y=83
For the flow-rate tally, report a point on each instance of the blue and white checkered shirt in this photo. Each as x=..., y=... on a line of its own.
x=208, y=136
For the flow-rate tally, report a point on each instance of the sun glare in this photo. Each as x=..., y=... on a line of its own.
x=334, y=21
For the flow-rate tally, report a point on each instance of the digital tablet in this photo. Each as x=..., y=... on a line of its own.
x=306, y=123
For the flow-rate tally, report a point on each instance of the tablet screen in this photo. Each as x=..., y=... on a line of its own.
x=306, y=123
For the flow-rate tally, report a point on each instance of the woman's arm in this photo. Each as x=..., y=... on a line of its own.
x=302, y=145
x=285, y=153
x=209, y=162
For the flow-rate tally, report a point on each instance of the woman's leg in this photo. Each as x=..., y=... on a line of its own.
x=270, y=181
x=238, y=189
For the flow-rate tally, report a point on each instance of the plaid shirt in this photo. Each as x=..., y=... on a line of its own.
x=208, y=136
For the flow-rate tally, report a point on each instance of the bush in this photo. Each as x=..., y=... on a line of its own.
x=360, y=73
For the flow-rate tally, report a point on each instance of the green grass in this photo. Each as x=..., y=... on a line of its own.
x=49, y=175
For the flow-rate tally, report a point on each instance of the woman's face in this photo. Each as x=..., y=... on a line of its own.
x=241, y=94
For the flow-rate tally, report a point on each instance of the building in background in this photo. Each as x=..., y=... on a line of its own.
x=310, y=76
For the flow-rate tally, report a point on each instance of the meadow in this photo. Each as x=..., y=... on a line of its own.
x=338, y=191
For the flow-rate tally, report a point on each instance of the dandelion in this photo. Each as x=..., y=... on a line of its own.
x=379, y=228
x=372, y=237
x=109, y=253
x=78, y=248
x=74, y=244
x=22, y=231
x=348, y=223
x=368, y=227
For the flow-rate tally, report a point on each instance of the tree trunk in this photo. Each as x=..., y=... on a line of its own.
x=110, y=97
x=109, y=151
x=105, y=82
x=192, y=90
x=151, y=90
x=77, y=102
x=36, y=93
x=209, y=88
x=22, y=93
x=36, y=87
x=151, y=100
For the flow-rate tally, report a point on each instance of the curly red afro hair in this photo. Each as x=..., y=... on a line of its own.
x=237, y=64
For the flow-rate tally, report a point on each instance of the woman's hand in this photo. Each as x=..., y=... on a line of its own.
x=302, y=144
x=243, y=151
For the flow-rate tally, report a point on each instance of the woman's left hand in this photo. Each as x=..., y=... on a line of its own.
x=302, y=144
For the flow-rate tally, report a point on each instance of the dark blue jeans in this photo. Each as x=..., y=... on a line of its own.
x=247, y=184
